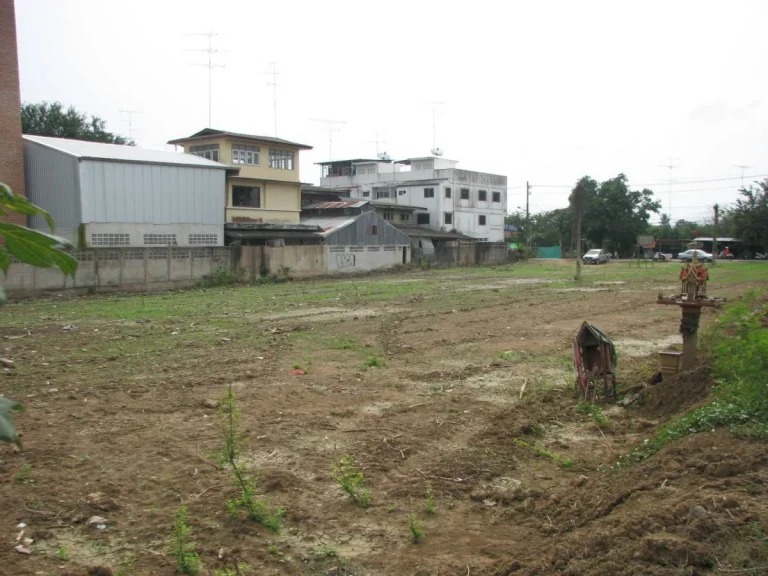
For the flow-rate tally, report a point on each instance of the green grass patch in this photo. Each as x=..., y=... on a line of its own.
x=738, y=350
x=561, y=461
x=594, y=412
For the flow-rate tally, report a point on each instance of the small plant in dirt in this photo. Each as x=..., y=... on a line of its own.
x=416, y=527
x=274, y=550
x=323, y=551
x=238, y=569
x=352, y=481
x=561, y=461
x=374, y=362
x=430, y=503
x=62, y=554
x=23, y=474
x=255, y=508
x=594, y=411
x=220, y=277
x=126, y=566
x=187, y=560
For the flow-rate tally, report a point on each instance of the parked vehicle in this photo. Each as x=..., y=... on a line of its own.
x=761, y=256
x=662, y=257
x=702, y=256
x=595, y=256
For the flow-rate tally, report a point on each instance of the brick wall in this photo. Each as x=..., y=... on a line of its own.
x=11, y=145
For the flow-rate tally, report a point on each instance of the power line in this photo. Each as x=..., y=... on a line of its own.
x=743, y=167
x=676, y=183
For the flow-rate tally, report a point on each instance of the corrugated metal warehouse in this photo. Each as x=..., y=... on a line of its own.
x=111, y=195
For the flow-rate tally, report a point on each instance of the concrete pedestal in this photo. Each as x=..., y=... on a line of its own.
x=689, y=326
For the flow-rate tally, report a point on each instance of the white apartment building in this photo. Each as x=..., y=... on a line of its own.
x=445, y=198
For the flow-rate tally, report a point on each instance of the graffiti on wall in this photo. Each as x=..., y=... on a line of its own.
x=345, y=260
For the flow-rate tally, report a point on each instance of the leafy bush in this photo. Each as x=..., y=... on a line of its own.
x=416, y=527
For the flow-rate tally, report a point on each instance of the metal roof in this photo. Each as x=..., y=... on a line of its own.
x=329, y=224
x=416, y=232
x=336, y=204
x=422, y=158
x=84, y=149
x=394, y=206
x=353, y=161
x=312, y=189
x=208, y=133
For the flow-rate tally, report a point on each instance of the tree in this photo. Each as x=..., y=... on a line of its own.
x=748, y=218
x=579, y=202
x=50, y=119
x=619, y=214
x=35, y=248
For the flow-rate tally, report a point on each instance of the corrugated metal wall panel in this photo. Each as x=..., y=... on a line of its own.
x=359, y=233
x=51, y=183
x=145, y=193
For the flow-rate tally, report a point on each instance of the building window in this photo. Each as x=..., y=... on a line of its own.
x=374, y=230
x=246, y=196
x=366, y=193
x=405, y=217
x=110, y=239
x=497, y=196
x=386, y=192
x=281, y=159
x=402, y=192
x=160, y=239
x=429, y=192
x=203, y=239
x=447, y=192
x=482, y=195
x=422, y=219
x=242, y=154
x=388, y=216
x=481, y=220
x=465, y=193
x=448, y=218
x=209, y=151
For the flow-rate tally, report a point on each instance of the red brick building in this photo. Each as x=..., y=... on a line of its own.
x=11, y=144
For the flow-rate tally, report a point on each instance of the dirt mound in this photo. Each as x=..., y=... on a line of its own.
x=696, y=508
x=676, y=393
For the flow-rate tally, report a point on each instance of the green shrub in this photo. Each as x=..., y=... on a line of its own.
x=187, y=560
x=352, y=481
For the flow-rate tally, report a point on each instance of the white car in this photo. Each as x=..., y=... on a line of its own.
x=595, y=256
x=702, y=256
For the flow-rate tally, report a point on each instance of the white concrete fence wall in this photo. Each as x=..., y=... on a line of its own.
x=123, y=268
x=346, y=259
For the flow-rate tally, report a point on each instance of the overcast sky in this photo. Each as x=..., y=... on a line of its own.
x=539, y=91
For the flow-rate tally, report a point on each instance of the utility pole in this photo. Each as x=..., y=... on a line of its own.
x=273, y=83
x=435, y=104
x=210, y=65
x=528, y=212
x=670, y=166
x=714, y=234
x=130, y=120
x=331, y=130
x=378, y=141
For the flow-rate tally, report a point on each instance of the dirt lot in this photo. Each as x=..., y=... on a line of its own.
x=417, y=375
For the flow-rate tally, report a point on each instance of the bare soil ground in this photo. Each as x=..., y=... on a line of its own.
x=114, y=391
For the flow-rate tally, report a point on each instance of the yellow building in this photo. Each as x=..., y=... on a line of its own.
x=264, y=185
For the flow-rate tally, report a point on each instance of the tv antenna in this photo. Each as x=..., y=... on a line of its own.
x=380, y=154
x=130, y=120
x=435, y=150
x=274, y=73
x=331, y=129
x=670, y=166
x=743, y=167
x=210, y=65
